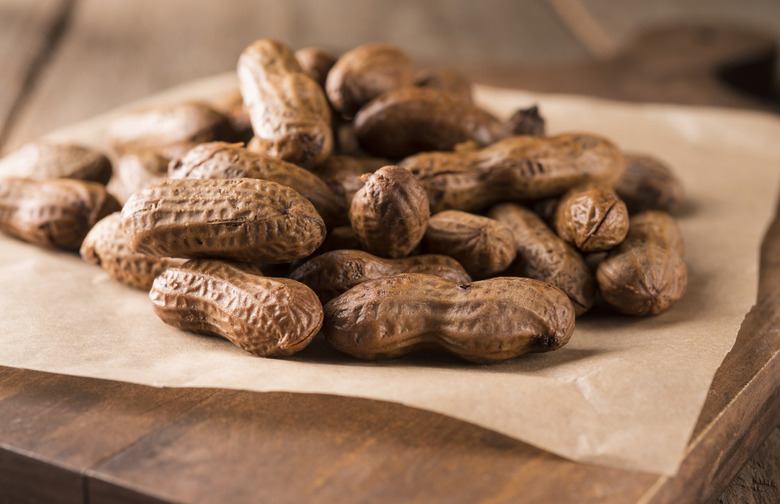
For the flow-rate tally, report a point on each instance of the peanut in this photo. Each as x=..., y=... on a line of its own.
x=365, y=72
x=220, y=160
x=645, y=274
x=390, y=212
x=248, y=220
x=517, y=168
x=483, y=322
x=445, y=79
x=52, y=212
x=288, y=110
x=409, y=120
x=315, y=62
x=47, y=159
x=231, y=105
x=526, y=121
x=342, y=174
x=169, y=130
x=333, y=273
x=542, y=255
x=105, y=246
x=264, y=316
x=592, y=218
x=649, y=184
x=482, y=245
x=137, y=170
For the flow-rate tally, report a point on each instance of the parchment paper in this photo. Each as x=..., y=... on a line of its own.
x=625, y=392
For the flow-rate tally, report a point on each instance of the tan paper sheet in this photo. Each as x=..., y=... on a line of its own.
x=625, y=392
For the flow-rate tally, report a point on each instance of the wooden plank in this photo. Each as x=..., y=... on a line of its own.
x=26, y=33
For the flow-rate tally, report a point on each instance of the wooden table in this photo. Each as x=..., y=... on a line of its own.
x=69, y=439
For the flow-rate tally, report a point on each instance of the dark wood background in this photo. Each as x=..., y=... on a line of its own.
x=66, y=439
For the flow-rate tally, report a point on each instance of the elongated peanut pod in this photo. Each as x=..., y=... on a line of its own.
x=337, y=271
x=487, y=321
x=264, y=316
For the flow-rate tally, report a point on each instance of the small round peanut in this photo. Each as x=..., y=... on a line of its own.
x=264, y=316
x=482, y=245
x=592, y=218
x=484, y=322
x=333, y=273
x=390, y=213
x=645, y=274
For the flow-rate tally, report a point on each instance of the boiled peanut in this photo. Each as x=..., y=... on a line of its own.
x=220, y=160
x=525, y=121
x=342, y=174
x=47, y=159
x=365, y=72
x=52, y=212
x=335, y=272
x=243, y=219
x=592, y=218
x=315, y=62
x=484, y=322
x=517, y=168
x=447, y=80
x=409, y=120
x=137, y=170
x=169, y=130
x=264, y=316
x=482, y=245
x=390, y=212
x=646, y=273
x=649, y=184
x=542, y=255
x=105, y=246
x=289, y=113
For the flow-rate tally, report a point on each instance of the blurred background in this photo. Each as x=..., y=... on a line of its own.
x=66, y=60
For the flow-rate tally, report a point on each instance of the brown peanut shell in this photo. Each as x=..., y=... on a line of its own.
x=221, y=160
x=343, y=175
x=390, y=212
x=365, y=72
x=592, y=218
x=288, y=110
x=482, y=245
x=517, y=168
x=48, y=159
x=409, y=120
x=447, y=80
x=105, y=246
x=137, y=170
x=333, y=273
x=650, y=184
x=646, y=274
x=483, y=322
x=243, y=219
x=264, y=316
x=542, y=255
x=315, y=62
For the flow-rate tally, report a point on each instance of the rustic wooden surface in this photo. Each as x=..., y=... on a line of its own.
x=69, y=439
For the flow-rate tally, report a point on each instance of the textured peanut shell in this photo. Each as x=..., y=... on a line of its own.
x=482, y=245
x=248, y=220
x=517, y=168
x=365, y=72
x=47, y=159
x=646, y=274
x=390, y=212
x=409, y=120
x=483, y=322
x=221, y=160
x=315, y=62
x=333, y=273
x=542, y=255
x=447, y=80
x=288, y=110
x=264, y=316
x=52, y=212
x=137, y=170
x=343, y=175
x=592, y=218
x=649, y=184
x=105, y=246
x=169, y=130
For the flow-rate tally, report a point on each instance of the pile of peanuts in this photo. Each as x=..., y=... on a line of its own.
x=373, y=201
